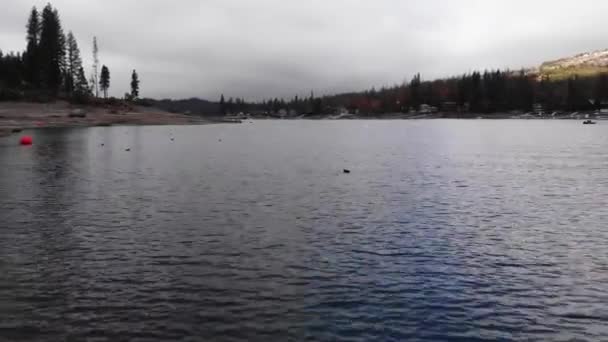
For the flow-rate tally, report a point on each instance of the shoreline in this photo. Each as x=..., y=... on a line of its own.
x=18, y=116
x=406, y=117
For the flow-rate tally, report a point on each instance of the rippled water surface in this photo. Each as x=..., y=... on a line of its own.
x=444, y=230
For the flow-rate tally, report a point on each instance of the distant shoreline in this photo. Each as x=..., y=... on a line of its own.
x=435, y=116
x=17, y=116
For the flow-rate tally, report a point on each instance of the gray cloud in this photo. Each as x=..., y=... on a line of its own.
x=265, y=48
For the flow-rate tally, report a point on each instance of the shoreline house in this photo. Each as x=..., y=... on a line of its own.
x=602, y=109
x=427, y=109
x=341, y=110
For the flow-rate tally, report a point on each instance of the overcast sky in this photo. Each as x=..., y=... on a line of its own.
x=267, y=48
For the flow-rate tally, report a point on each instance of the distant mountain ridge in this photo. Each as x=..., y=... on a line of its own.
x=583, y=64
x=596, y=59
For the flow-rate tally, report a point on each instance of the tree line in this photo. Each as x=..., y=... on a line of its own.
x=494, y=91
x=302, y=105
x=51, y=65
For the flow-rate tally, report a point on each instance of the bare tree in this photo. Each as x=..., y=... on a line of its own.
x=95, y=75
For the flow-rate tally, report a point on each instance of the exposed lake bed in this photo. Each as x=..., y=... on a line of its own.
x=16, y=116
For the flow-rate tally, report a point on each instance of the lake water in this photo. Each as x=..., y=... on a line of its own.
x=444, y=230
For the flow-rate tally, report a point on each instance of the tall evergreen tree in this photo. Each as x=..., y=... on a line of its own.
x=230, y=105
x=415, y=92
x=11, y=70
x=31, y=57
x=573, y=93
x=74, y=63
x=601, y=90
x=223, y=105
x=81, y=86
x=317, y=106
x=476, y=96
x=134, y=85
x=104, y=80
x=525, y=91
x=51, y=49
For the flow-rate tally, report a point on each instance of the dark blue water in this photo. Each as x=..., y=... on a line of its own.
x=444, y=231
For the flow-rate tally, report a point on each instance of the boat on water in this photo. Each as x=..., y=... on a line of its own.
x=589, y=122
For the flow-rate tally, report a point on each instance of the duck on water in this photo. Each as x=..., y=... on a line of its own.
x=589, y=122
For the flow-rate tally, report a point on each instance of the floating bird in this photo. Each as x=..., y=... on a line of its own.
x=128, y=150
x=346, y=171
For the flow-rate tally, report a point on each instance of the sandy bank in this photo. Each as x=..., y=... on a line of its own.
x=23, y=115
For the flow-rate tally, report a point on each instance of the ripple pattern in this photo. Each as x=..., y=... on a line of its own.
x=444, y=231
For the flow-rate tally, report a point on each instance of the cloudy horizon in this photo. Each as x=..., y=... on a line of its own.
x=274, y=48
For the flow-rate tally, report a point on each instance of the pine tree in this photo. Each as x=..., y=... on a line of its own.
x=222, y=105
x=317, y=106
x=11, y=70
x=573, y=93
x=104, y=81
x=31, y=58
x=52, y=49
x=74, y=63
x=476, y=98
x=134, y=85
x=601, y=90
x=525, y=91
x=230, y=105
x=81, y=86
x=310, y=104
x=415, y=92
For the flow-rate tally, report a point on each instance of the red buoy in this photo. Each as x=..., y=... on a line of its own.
x=26, y=140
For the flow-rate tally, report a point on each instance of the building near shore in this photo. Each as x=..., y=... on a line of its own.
x=427, y=109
